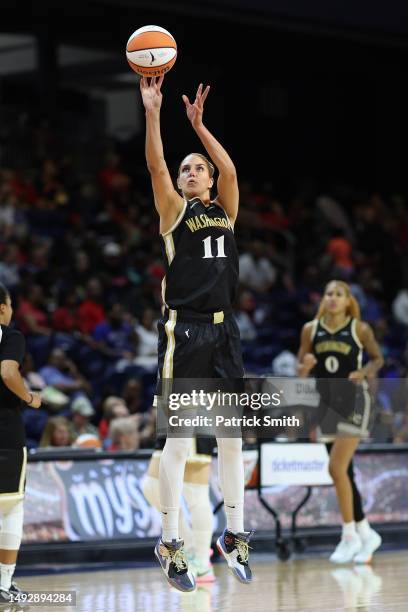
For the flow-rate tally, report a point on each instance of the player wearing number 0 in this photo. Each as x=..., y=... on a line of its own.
x=198, y=336
x=331, y=350
x=13, y=453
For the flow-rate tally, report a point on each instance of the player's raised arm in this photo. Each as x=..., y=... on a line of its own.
x=227, y=184
x=167, y=201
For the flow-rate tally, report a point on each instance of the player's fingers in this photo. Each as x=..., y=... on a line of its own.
x=153, y=81
x=199, y=90
x=186, y=100
x=160, y=82
x=205, y=94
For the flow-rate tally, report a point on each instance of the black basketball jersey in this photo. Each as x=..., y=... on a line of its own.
x=12, y=432
x=338, y=352
x=201, y=260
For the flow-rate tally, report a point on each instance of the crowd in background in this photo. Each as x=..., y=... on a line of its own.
x=80, y=254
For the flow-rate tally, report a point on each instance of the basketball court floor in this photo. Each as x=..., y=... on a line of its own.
x=309, y=583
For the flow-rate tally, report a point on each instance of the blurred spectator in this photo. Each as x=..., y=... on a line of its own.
x=33, y=379
x=91, y=311
x=9, y=267
x=147, y=338
x=62, y=373
x=31, y=313
x=82, y=411
x=340, y=251
x=400, y=307
x=113, y=407
x=64, y=318
x=124, y=434
x=57, y=433
x=244, y=314
x=112, y=179
x=133, y=395
x=115, y=337
x=255, y=270
x=285, y=364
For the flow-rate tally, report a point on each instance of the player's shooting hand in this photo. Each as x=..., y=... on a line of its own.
x=151, y=93
x=196, y=109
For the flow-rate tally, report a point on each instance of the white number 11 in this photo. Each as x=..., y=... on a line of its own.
x=207, y=247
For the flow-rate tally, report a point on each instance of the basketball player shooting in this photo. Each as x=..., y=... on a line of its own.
x=198, y=336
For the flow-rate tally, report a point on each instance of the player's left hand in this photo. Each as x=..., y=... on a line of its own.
x=195, y=110
x=357, y=376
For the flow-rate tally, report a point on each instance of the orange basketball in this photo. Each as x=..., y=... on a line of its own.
x=151, y=51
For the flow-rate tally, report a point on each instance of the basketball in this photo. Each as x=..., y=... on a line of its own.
x=151, y=51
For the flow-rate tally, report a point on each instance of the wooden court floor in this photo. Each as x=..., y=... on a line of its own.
x=298, y=584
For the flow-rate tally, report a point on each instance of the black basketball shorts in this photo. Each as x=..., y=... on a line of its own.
x=194, y=346
x=13, y=462
x=348, y=414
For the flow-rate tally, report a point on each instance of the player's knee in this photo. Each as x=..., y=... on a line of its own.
x=12, y=525
x=337, y=471
x=178, y=448
x=230, y=445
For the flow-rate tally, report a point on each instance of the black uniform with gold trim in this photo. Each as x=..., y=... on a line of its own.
x=198, y=335
x=13, y=455
x=340, y=352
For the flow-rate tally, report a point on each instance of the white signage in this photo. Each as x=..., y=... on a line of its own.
x=294, y=464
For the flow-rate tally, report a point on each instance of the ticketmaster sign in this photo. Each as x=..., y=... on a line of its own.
x=294, y=464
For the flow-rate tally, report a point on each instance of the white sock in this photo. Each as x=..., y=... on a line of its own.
x=150, y=489
x=234, y=512
x=202, y=519
x=363, y=528
x=6, y=573
x=349, y=530
x=231, y=476
x=171, y=475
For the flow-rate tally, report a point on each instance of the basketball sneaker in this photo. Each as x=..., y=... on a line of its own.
x=203, y=572
x=15, y=589
x=346, y=550
x=369, y=546
x=173, y=562
x=235, y=550
x=5, y=597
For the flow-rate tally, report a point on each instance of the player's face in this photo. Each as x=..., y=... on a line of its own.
x=336, y=300
x=194, y=179
x=6, y=311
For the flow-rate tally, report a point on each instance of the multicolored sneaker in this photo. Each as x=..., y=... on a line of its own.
x=203, y=572
x=235, y=550
x=5, y=597
x=16, y=590
x=173, y=562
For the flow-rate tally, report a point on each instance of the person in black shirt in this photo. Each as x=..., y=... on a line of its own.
x=331, y=350
x=198, y=335
x=13, y=453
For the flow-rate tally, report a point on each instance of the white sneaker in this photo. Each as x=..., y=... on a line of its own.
x=369, y=546
x=346, y=550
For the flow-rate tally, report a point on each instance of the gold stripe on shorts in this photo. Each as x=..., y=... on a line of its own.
x=171, y=344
